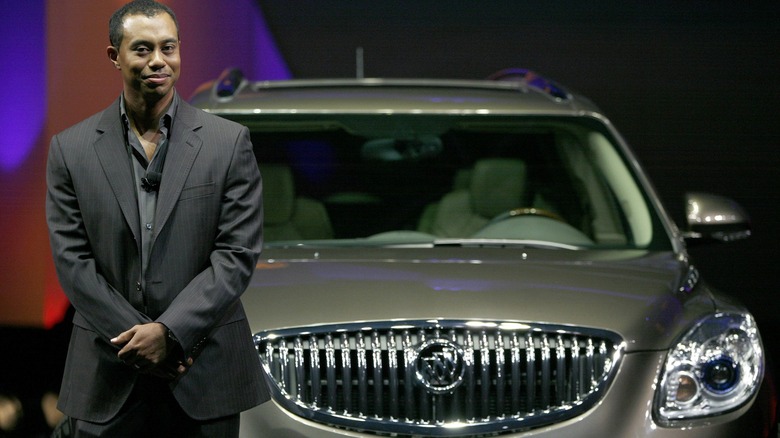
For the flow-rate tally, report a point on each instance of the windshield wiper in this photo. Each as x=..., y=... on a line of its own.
x=503, y=243
x=461, y=243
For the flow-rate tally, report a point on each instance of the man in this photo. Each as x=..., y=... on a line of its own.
x=154, y=211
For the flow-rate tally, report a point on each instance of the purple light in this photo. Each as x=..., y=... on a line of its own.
x=270, y=64
x=23, y=95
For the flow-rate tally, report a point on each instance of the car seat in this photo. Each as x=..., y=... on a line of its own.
x=496, y=185
x=287, y=216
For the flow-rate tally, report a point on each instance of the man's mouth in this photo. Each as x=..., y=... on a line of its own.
x=157, y=78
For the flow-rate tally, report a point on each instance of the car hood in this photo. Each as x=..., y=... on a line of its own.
x=639, y=295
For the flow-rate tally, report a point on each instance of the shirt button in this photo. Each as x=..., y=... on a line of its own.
x=138, y=286
x=149, y=226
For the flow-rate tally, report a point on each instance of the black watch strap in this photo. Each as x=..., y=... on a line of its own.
x=174, y=346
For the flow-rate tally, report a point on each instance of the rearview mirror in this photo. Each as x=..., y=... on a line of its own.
x=712, y=218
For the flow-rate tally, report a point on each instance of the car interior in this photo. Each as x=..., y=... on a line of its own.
x=473, y=181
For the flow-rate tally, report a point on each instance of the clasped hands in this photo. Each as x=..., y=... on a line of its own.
x=148, y=349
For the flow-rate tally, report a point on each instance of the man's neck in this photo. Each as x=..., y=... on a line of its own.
x=144, y=114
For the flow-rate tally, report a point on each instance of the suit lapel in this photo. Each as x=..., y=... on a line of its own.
x=182, y=150
x=112, y=154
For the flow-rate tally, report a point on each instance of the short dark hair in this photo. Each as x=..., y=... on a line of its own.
x=150, y=8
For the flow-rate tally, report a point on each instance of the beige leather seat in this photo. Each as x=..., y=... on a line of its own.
x=287, y=216
x=496, y=185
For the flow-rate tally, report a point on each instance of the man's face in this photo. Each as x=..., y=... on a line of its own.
x=148, y=56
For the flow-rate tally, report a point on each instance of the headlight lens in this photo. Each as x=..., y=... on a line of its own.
x=716, y=367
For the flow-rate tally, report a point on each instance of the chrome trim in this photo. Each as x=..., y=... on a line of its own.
x=545, y=371
x=446, y=368
x=484, y=349
x=530, y=370
x=330, y=366
x=346, y=379
x=392, y=363
x=535, y=377
x=362, y=375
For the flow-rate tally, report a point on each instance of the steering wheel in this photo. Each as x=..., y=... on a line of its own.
x=536, y=224
x=527, y=211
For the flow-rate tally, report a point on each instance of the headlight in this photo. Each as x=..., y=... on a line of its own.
x=716, y=367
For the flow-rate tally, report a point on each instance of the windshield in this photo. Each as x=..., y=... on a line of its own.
x=556, y=182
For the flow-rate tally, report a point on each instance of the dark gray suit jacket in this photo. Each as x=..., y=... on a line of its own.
x=208, y=237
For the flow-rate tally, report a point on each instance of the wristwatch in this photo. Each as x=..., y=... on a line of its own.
x=171, y=336
x=172, y=342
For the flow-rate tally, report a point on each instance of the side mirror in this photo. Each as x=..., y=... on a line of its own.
x=712, y=218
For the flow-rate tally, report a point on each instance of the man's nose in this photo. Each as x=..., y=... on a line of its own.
x=156, y=60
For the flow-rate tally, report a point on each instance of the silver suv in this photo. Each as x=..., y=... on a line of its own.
x=479, y=258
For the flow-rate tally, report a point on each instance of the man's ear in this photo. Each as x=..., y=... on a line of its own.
x=113, y=55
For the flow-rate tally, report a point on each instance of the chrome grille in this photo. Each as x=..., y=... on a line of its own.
x=439, y=378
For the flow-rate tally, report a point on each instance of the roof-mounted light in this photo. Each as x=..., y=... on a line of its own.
x=228, y=83
x=533, y=80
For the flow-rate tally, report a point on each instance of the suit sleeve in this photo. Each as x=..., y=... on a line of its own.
x=199, y=308
x=106, y=310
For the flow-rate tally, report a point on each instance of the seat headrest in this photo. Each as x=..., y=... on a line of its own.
x=278, y=194
x=498, y=185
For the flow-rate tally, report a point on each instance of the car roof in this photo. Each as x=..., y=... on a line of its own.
x=510, y=91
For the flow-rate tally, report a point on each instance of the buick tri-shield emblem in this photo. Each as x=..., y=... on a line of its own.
x=439, y=365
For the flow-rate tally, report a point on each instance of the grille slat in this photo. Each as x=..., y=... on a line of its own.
x=300, y=370
x=330, y=364
x=576, y=373
x=500, y=373
x=484, y=349
x=409, y=375
x=362, y=376
x=346, y=373
x=392, y=369
x=489, y=376
x=516, y=363
x=530, y=373
x=316, y=383
x=423, y=403
x=590, y=360
x=545, y=365
x=560, y=371
x=469, y=375
x=378, y=380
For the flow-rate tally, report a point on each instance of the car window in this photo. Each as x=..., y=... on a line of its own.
x=426, y=179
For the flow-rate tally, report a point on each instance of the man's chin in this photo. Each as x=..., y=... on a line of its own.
x=157, y=93
x=149, y=94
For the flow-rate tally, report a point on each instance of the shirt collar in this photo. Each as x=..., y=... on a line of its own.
x=166, y=120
